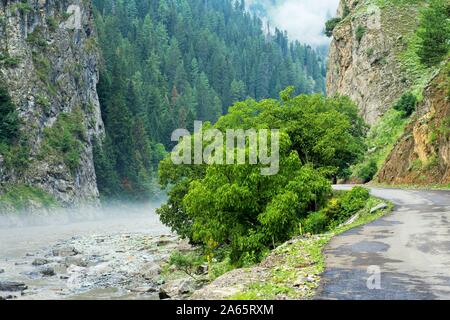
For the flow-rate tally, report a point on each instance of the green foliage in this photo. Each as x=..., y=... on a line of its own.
x=434, y=33
x=407, y=104
x=8, y=61
x=351, y=203
x=9, y=119
x=65, y=138
x=330, y=25
x=21, y=197
x=235, y=205
x=23, y=8
x=359, y=33
x=367, y=171
x=380, y=141
x=16, y=156
x=168, y=63
x=36, y=38
x=186, y=262
x=317, y=222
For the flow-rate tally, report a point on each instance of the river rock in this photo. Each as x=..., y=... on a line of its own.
x=12, y=286
x=47, y=272
x=150, y=271
x=65, y=252
x=177, y=288
x=78, y=260
x=2, y=270
x=40, y=262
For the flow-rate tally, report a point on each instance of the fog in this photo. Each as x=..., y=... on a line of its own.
x=86, y=213
x=304, y=20
x=24, y=233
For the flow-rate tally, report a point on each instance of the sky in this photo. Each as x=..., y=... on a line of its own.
x=304, y=20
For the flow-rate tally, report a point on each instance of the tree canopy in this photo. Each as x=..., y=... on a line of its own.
x=167, y=63
x=235, y=204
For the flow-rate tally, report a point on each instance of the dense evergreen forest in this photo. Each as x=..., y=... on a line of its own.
x=167, y=63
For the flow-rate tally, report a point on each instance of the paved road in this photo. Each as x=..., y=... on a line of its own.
x=411, y=247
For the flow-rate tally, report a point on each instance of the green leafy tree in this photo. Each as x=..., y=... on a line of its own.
x=434, y=33
x=407, y=104
x=235, y=205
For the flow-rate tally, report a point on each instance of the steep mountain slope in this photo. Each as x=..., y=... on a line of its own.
x=422, y=155
x=48, y=67
x=368, y=59
x=374, y=59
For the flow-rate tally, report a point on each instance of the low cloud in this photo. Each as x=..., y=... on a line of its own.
x=304, y=20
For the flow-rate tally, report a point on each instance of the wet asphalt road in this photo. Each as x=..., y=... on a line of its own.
x=410, y=246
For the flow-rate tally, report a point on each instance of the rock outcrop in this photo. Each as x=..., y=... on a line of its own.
x=363, y=60
x=373, y=60
x=49, y=66
x=422, y=155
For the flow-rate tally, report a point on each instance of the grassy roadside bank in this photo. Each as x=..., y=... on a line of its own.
x=300, y=262
x=291, y=271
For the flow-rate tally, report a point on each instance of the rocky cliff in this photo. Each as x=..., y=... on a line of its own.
x=365, y=54
x=48, y=64
x=373, y=59
x=422, y=155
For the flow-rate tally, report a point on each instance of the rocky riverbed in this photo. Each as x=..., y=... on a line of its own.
x=118, y=255
x=121, y=266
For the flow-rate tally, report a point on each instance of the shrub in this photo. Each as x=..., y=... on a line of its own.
x=188, y=262
x=368, y=171
x=330, y=25
x=64, y=138
x=359, y=33
x=316, y=222
x=21, y=197
x=352, y=202
x=341, y=209
x=9, y=118
x=8, y=61
x=407, y=104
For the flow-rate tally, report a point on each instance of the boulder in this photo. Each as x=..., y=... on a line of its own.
x=177, y=288
x=65, y=252
x=12, y=286
x=47, y=272
x=40, y=262
x=150, y=271
x=77, y=260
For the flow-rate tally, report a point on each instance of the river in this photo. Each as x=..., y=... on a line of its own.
x=105, y=255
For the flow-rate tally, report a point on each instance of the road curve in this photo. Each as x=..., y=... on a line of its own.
x=410, y=246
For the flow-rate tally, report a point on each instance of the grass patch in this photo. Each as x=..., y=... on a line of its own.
x=65, y=139
x=23, y=197
x=380, y=142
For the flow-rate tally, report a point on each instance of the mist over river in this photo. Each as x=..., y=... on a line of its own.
x=93, y=254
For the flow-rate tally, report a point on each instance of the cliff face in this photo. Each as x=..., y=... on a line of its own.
x=363, y=58
x=49, y=67
x=422, y=155
x=373, y=59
